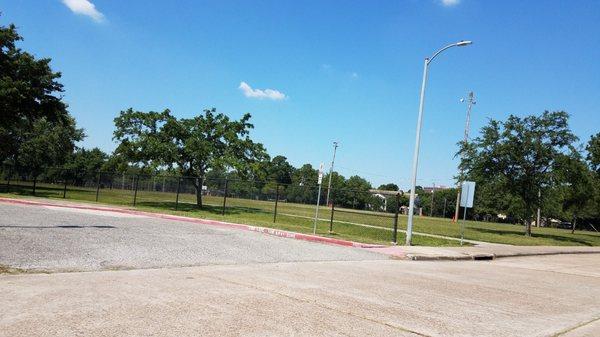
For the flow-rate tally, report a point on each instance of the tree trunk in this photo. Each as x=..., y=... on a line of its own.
x=199, y=183
x=528, y=227
x=573, y=224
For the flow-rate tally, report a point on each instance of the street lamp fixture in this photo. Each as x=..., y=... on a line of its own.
x=411, y=207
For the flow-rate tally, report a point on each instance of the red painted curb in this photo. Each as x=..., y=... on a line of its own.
x=264, y=230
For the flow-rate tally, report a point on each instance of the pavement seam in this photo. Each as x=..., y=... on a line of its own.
x=580, y=325
x=319, y=305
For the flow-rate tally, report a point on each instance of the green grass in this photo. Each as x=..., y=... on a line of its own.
x=298, y=218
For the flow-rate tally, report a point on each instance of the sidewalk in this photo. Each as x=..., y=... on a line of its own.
x=483, y=252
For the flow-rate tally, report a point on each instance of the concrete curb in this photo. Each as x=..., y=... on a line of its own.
x=468, y=257
x=487, y=256
x=264, y=230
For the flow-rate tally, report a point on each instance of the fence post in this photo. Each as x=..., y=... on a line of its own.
x=34, y=183
x=177, y=198
x=137, y=181
x=65, y=189
x=395, y=231
x=276, y=201
x=8, y=181
x=332, y=211
x=98, y=186
x=444, y=214
x=225, y=197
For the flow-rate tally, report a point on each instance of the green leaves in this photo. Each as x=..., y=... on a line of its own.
x=210, y=141
x=36, y=130
x=512, y=160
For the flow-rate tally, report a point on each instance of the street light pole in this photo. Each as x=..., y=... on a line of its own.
x=470, y=103
x=411, y=207
x=335, y=146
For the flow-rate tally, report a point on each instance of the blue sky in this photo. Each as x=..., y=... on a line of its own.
x=348, y=70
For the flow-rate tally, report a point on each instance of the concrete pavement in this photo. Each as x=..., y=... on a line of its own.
x=526, y=296
x=245, y=283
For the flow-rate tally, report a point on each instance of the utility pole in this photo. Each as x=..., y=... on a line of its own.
x=470, y=103
x=319, y=181
x=335, y=146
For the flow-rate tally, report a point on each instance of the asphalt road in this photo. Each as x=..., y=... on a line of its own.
x=290, y=288
x=61, y=239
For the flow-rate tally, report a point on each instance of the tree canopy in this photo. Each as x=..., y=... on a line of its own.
x=193, y=146
x=36, y=130
x=514, y=160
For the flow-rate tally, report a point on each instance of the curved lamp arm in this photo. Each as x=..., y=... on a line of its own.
x=457, y=44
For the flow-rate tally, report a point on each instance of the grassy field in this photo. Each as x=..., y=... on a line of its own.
x=348, y=224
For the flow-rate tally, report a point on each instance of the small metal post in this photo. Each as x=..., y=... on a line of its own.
x=177, y=198
x=462, y=228
x=137, y=181
x=65, y=189
x=97, y=187
x=34, y=183
x=276, y=201
x=225, y=197
x=395, y=231
x=317, y=210
x=331, y=219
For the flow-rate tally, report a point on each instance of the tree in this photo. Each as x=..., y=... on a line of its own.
x=278, y=170
x=30, y=113
x=593, y=150
x=515, y=159
x=192, y=145
x=46, y=145
x=303, y=187
x=576, y=189
x=357, y=192
x=338, y=182
x=84, y=164
x=389, y=187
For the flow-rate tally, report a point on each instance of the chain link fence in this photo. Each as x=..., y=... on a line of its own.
x=254, y=199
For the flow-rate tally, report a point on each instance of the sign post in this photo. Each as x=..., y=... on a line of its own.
x=467, y=194
x=319, y=181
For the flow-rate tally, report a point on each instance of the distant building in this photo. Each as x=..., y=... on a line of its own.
x=435, y=188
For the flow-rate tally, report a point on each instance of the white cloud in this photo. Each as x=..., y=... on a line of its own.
x=449, y=3
x=275, y=95
x=84, y=7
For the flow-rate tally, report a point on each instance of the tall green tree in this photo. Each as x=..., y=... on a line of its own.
x=47, y=145
x=593, y=152
x=277, y=170
x=303, y=187
x=85, y=164
x=576, y=187
x=36, y=129
x=194, y=145
x=513, y=160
